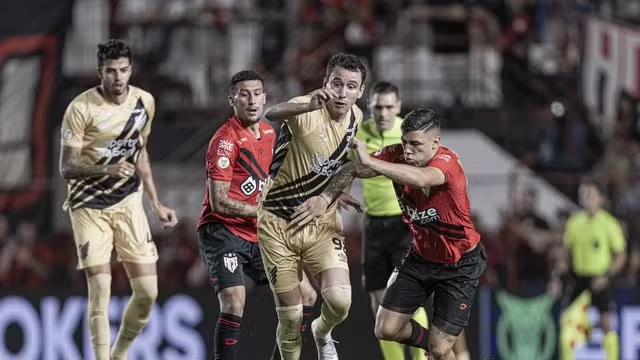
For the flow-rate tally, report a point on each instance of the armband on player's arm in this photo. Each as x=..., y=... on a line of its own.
x=222, y=204
x=71, y=166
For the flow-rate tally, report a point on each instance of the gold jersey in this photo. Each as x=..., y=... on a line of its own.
x=107, y=133
x=310, y=149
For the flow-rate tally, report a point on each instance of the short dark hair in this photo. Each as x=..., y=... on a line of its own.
x=346, y=61
x=113, y=49
x=244, y=75
x=385, y=87
x=421, y=119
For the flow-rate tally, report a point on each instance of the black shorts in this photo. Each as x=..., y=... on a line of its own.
x=602, y=300
x=228, y=257
x=453, y=286
x=386, y=241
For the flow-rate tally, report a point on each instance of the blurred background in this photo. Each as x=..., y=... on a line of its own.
x=536, y=95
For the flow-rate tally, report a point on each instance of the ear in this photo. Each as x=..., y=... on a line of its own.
x=399, y=105
x=436, y=141
x=361, y=91
x=230, y=98
x=99, y=72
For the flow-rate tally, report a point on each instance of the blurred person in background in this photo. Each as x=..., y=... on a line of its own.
x=594, y=253
x=386, y=238
x=312, y=146
x=104, y=159
x=446, y=258
x=238, y=159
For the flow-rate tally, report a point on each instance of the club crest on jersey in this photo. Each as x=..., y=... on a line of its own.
x=426, y=190
x=68, y=134
x=231, y=262
x=223, y=162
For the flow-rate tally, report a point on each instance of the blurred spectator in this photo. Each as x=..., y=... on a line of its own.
x=29, y=258
x=526, y=234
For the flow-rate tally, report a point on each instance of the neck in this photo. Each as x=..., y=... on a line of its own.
x=254, y=128
x=112, y=98
x=592, y=212
x=337, y=118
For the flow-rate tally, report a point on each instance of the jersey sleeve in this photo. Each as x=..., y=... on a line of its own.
x=390, y=153
x=305, y=122
x=447, y=163
x=221, y=157
x=73, y=128
x=150, y=107
x=617, y=239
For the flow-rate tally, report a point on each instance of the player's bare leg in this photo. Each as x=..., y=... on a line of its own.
x=399, y=327
x=309, y=297
x=227, y=334
x=144, y=286
x=335, y=288
x=99, y=292
x=460, y=348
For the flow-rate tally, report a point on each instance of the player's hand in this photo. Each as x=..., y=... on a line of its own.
x=320, y=98
x=121, y=170
x=361, y=154
x=598, y=283
x=166, y=215
x=310, y=210
x=346, y=201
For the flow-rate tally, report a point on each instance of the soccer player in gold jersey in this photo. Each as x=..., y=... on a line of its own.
x=313, y=144
x=104, y=160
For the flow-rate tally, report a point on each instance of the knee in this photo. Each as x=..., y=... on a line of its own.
x=439, y=349
x=145, y=290
x=99, y=287
x=338, y=298
x=386, y=331
x=289, y=318
x=231, y=302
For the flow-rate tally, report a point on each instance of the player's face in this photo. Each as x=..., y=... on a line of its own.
x=115, y=75
x=248, y=101
x=420, y=146
x=589, y=197
x=348, y=85
x=385, y=107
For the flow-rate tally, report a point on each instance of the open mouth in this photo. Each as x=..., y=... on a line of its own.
x=252, y=111
x=340, y=103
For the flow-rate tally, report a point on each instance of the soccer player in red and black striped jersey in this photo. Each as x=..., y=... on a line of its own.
x=446, y=257
x=238, y=160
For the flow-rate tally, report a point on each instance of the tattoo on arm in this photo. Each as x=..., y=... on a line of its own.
x=71, y=166
x=221, y=203
x=345, y=176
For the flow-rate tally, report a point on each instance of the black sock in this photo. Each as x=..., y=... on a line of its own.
x=307, y=311
x=227, y=336
x=418, y=336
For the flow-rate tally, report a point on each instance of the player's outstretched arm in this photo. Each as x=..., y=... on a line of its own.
x=417, y=177
x=165, y=214
x=223, y=204
x=288, y=110
x=316, y=206
x=72, y=167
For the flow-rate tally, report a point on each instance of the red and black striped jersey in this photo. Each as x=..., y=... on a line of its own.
x=440, y=216
x=237, y=156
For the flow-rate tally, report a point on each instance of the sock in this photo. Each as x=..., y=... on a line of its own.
x=611, y=345
x=392, y=350
x=418, y=336
x=227, y=336
x=99, y=287
x=288, y=332
x=335, y=308
x=307, y=311
x=420, y=316
x=136, y=314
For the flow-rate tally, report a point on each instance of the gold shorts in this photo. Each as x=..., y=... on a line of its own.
x=124, y=225
x=283, y=247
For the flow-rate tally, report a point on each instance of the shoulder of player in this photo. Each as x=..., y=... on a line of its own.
x=145, y=96
x=82, y=102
